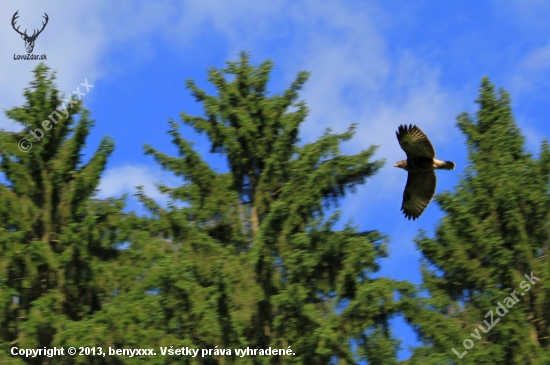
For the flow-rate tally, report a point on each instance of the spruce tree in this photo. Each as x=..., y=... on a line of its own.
x=57, y=243
x=252, y=259
x=492, y=240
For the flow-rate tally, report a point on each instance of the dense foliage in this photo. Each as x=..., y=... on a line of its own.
x=57, y=243
x=494, y=233
x=250, y=258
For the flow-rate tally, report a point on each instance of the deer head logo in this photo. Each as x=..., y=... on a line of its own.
x=29, y=40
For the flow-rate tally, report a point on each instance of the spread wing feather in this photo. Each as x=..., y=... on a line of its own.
x=418, y=192
x=414, y=142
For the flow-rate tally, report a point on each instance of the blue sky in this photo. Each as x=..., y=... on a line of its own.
x=376, y=63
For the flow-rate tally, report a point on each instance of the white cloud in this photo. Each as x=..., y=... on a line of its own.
x=75, y=40
x=412, y=96
x=538, y=60
x=527, y=13
x=531, y=70
x=124, y=179
x=353, y=77
x=69, y=48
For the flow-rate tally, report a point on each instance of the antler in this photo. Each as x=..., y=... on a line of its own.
x=15, y=16
x=34, y=34
x=43, y=25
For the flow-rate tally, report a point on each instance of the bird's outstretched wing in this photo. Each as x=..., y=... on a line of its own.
x=414, y=142
x=418, y=192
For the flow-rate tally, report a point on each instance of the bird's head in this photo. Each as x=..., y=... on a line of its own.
x=401, y=164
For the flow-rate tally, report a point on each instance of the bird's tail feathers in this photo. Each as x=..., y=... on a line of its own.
x=445, y=165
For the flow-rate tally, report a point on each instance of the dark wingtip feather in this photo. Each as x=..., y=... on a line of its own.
x=407, y=215
x=403, y=128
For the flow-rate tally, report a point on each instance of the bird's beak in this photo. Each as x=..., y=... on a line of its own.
x=395, y=165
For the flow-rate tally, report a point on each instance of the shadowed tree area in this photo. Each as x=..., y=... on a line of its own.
x=495, y=230
x=57, y=243
x=252, y=260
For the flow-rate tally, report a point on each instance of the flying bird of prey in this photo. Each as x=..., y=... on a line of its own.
x=420, y=165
